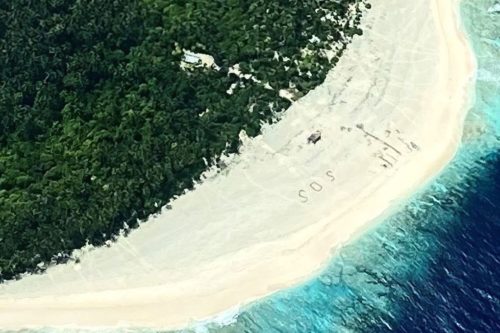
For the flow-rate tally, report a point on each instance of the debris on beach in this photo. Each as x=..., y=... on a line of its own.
x=314, y=138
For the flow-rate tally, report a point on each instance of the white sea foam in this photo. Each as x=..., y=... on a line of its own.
x=221, y=319
x=495, y=8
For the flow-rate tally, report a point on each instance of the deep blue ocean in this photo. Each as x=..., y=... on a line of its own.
x=434, y=266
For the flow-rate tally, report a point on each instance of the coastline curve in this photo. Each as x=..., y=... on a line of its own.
x=245, y=234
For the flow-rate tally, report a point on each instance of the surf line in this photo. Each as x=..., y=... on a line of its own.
x=316, y=186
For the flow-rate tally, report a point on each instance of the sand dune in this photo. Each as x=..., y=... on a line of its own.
x=391, y=116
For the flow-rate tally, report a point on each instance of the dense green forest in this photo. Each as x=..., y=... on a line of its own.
x=100, y=125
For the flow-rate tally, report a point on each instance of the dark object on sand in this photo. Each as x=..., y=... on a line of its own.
x=315, y=137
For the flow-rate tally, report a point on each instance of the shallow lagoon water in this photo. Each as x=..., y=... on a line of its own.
x=434, y=266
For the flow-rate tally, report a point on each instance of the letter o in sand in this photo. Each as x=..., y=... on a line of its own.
x=316, y=186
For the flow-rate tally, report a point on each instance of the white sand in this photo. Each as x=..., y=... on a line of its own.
x=246, y=233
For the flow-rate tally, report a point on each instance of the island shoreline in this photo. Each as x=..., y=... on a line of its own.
x=308, y=248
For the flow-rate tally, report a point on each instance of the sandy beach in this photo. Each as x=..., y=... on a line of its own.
x=391, y=116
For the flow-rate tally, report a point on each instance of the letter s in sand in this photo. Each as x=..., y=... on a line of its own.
x=329, y=173
x=302, y=194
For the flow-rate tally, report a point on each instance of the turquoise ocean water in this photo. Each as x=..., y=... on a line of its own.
x=434, y=266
